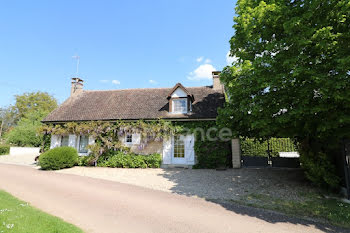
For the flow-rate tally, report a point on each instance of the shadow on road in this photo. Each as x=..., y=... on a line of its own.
x=221, y=186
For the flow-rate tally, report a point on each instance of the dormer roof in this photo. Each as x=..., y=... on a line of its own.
x=179, y=85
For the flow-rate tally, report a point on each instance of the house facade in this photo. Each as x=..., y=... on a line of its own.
x=177, y=103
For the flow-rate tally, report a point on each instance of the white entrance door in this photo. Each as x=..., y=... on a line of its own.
x=179, y=152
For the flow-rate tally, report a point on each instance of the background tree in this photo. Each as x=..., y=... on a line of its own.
x=26, y=131
x=24, y=118
x=33, y=101
x=291, y=78
x=5, y=120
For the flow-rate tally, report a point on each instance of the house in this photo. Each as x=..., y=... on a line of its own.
x=176, y=103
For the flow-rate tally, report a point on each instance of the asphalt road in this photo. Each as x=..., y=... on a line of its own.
x=105, y=206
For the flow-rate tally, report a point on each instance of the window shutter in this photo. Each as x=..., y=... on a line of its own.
x=167, y=150
x=55, y=141
x=189, y=147
x=91, y=140
x=136, y=138
x=72, y=141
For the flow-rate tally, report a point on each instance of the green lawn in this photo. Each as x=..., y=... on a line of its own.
x=313, y=205
x=18, y=216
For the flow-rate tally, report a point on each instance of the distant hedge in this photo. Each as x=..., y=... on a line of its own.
x=58, y=158
x=253, y=147
x=4, y=149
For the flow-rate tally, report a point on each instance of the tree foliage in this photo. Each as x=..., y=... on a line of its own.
x=31, y=102
x=292, y=74
x=26, y=131
x=291, y=77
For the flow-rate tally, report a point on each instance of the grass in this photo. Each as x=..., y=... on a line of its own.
x=313, y=205
x=18, y=216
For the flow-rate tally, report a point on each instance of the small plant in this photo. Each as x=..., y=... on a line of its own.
x=4, y=149
x=153, y=160
x=58, y=158
x=86, y=161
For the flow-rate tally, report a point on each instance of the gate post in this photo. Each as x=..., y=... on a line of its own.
x=236, y=153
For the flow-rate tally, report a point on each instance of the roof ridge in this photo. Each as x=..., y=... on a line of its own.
x=145, y=88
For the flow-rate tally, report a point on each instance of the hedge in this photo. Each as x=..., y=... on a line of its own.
x=124, y=160
x=253, y=147
x=58, y=158
x=4, y=149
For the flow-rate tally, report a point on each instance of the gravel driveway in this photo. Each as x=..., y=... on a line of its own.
x=206, y=183
x=104, y=206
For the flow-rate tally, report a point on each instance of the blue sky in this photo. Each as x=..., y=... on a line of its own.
x=121, y=44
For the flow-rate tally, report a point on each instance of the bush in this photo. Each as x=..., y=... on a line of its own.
x=4, y=149
x=153, y=160
x=320, y=170
x=86, y=160
x=121, y=160
x=58, y=158
x=212, y=154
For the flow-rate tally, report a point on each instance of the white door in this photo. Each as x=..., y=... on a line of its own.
x=179, y=156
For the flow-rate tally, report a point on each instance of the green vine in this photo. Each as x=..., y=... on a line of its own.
x=210, y=154
x=107, y=134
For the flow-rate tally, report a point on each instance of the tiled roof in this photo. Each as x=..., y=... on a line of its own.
x=133, y=104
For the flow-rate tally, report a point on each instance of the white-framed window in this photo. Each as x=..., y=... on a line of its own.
x=64, y=140
x=180, y=105
x=83, y=143
x=128, y=138
x=179, y=147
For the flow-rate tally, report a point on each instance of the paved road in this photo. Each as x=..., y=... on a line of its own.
x=105, y=206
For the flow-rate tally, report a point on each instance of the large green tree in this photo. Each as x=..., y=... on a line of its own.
x=24, y=118
x=292, y=74
x=26, y=131
x=33, y=101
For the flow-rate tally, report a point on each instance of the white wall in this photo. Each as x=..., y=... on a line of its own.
x=24, y=150
x=179, y=93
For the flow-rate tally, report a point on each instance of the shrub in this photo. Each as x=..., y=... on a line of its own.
x=211, y=154
x=86, y=160
x=153, y=160
x=121, y=160
x=319, y=169
x=4, y=149
x=58, y=158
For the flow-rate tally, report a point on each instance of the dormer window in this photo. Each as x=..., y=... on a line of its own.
x=180, y=100
x=180, y=105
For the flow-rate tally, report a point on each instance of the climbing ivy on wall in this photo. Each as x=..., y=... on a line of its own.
x=210, y=150
x=209, y=153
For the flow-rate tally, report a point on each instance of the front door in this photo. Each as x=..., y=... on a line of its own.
x=179, y=150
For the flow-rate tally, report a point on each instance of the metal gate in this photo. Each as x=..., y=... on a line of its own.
x=274, y=152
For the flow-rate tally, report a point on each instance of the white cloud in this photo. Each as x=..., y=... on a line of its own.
x=116, y=82
x=199, y=59
x=229, y=59
x=207, y=60
x=202, y=72
x=104, y=81
x=151, y=81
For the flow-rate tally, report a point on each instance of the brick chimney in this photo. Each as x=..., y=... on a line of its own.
x=77, y=86
x=217, y=85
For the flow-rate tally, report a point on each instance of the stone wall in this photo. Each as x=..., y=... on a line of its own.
x=236, y=153
x=150, y=148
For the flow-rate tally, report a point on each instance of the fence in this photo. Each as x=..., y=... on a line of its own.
x=275, y=152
